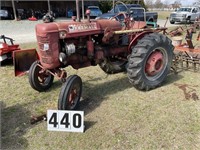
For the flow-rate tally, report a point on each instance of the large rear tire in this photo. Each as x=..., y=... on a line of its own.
x=39, y=79
x=113, y=65
x=70, y=93
x=150, y=61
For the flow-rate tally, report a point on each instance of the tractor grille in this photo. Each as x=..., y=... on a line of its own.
x=42, y=39
x=176, y=15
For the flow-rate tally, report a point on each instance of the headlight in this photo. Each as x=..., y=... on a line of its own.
x=63, y=58
x=62, y=34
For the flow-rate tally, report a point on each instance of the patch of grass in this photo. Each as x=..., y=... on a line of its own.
x=120, y=116
x=28, y=45
x=163, y=14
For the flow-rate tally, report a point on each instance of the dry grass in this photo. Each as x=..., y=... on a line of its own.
x=117, y=116
x=163, y=14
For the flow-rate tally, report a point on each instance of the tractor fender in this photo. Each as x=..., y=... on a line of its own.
x=136, y=38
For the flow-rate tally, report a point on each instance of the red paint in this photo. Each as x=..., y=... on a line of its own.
x=154, y=63
x=87, y=43
x=90, y=48
x=32, y=18
x=135, y=37
x=23, y=59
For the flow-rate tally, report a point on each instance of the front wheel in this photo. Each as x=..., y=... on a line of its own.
x=39, y=79
x=150, y=61
x=70, y=93
x=188, y=20
x=172, y=22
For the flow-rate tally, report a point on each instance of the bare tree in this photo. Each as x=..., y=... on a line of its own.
x=158, y=4
x=176, y=4
x=197, y=2
x=149, y=3
x=166, y=3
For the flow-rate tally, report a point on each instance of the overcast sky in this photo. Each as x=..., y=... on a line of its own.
x=183, y=2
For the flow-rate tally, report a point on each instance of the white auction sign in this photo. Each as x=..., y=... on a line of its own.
x=62, y=120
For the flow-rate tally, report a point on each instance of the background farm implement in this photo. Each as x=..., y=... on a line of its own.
x=187, y=55
x=7, y=47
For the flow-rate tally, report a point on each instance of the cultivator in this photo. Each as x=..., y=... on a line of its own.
x=187, y=56
x=185, y=59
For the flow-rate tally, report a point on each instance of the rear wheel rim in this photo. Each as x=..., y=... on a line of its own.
x=156, y=63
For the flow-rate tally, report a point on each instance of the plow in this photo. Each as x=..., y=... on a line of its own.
x=187, y=55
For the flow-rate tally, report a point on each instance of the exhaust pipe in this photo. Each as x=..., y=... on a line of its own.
x=78, y=11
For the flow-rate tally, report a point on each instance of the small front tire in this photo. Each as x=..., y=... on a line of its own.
x=70, y=93
x=39, y=79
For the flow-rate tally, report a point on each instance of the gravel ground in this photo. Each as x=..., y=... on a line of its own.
x=20, y=31
x=24, y=31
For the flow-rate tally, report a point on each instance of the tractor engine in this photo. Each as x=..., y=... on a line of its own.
x=77, y=44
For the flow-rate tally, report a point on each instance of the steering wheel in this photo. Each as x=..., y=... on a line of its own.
x=122, y=4
x=117, y=18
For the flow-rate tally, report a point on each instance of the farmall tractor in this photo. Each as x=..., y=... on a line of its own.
x=115, y=45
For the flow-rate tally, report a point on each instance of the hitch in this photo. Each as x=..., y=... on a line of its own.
x=35, y=119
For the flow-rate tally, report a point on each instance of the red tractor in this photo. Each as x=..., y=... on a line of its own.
x=114, y=45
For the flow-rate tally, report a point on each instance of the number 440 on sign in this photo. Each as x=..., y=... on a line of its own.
x=70, y=121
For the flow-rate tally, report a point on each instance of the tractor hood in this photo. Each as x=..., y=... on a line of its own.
x=77, y=29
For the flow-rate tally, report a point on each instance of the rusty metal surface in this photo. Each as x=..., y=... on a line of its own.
x=90, y=48
x=7, y=45
x=112, y=24
x=23, y=59
x=137, y=25
x=178, y=31
x=187, y=55
x=8, y=48
x=47, y=38
x=35, y=119
x=54, y=39
x=185, y=59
